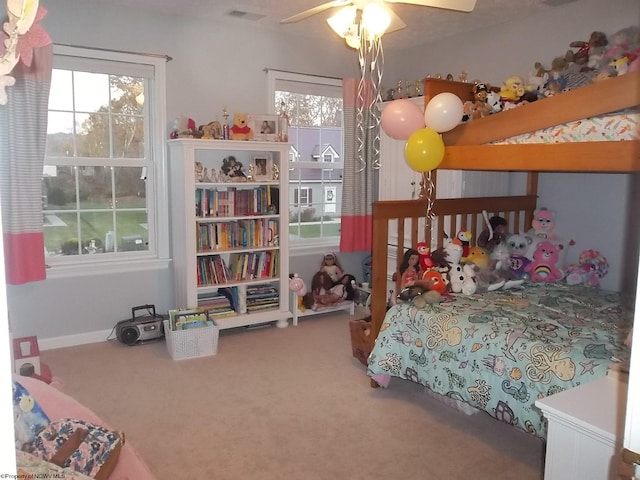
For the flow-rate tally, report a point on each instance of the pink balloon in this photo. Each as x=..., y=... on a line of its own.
x=400, y=118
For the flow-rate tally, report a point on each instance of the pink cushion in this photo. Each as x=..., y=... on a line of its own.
x=57, y=405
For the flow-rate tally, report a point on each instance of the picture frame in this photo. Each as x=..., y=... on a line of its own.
x=264, y=127
x=261, y=168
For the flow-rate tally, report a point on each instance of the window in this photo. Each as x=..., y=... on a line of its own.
x=314, y=107
x=302, y=197
x=104, y=158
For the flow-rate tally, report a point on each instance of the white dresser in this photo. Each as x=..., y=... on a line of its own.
x=586, y=427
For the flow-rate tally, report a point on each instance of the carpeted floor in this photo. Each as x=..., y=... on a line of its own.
x=290, y=404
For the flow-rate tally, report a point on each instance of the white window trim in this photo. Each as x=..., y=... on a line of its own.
x=158, y=190
x=308, y=246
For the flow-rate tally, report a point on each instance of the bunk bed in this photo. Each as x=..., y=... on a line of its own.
x=522, y=344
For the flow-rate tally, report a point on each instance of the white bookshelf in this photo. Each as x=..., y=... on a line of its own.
x=233, y=226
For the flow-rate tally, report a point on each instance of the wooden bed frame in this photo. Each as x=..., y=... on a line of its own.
x=467, y=149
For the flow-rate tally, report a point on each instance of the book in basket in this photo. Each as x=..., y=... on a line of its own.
x=189, y=318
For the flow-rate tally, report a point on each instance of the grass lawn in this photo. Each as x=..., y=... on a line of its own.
x=93, y=225
x=312, y=230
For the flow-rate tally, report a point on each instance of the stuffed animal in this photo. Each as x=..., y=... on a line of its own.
x=425, y=261
x=518, y=246
x=512, y=88
x=462, y=279
x=435, y=280
x=591, y=267
x=543, y=223
x=543, y=267
x=240, y=130
x=593, y=47
x=463, y=238
x=430, y=297
x=478, y=256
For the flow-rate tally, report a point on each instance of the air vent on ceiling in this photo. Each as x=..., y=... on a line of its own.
x=557, y=3
x=254, y=17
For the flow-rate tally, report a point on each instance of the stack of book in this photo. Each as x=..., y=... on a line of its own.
x=217, y=303
x=262, y=297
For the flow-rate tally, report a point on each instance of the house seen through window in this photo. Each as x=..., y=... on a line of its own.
x=314, y=107
x=100, y=168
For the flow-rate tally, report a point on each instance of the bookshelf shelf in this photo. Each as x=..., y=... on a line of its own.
x=227, y=248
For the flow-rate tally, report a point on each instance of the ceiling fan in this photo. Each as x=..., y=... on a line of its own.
x=360, y=19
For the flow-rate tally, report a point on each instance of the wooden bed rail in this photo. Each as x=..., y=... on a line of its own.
x=449, y=216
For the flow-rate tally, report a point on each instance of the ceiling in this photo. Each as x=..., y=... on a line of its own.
x=424, y=24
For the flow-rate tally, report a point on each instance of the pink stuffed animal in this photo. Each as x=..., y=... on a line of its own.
x=591, y=267
x=543, y=223
x=543, y=267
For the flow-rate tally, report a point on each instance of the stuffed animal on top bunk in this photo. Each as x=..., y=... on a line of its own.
x=590, y=269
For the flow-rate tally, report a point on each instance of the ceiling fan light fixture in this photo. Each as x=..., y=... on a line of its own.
x=342, y=21
x=375, y=19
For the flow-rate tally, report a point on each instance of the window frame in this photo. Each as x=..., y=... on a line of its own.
x=318, y=84
x=157, y=205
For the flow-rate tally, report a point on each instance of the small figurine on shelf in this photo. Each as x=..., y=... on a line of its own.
x=251, y=172
x=331, y=266
x=275, y=172
x=232, y=170
x=283, y=124
x=225, y=124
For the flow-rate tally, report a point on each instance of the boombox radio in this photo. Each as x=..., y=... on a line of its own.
x=141, y=329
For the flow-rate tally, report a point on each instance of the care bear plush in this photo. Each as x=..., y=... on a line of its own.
x=240, y=129
x=544, y=266
x=543, y=223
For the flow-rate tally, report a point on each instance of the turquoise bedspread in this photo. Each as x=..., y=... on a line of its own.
x=501, y=351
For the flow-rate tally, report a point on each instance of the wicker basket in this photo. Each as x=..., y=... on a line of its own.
x=361, y=340
x=191, y=343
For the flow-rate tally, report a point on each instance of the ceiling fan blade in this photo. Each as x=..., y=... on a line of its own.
x=315, y=10
x=396, y=21
x=458, y=5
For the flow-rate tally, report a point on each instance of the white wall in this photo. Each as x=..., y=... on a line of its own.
x=214, y=65
x=590, y=208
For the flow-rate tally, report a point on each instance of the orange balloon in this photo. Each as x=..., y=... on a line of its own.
x=424, y=150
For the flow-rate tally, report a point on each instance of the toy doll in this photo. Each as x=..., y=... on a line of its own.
x=409, y=268
x=325, y=291
x=493, y=234
x=331, y=266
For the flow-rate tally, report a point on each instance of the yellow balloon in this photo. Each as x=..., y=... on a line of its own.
x=424, y=150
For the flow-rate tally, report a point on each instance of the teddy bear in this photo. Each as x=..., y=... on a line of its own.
x=240, y=129
x=518, y=246
x=543, y=223
x=591, y=267
x=589, y=52
x=543, y=266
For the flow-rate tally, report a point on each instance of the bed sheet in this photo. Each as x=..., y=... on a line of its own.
x=621, y=125
x=503, y=350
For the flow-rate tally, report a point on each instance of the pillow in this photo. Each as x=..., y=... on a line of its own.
x=28, y=416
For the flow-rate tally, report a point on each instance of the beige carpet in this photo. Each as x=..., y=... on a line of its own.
x=285, y=404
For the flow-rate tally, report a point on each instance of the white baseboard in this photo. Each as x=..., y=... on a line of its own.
x=74, y=340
